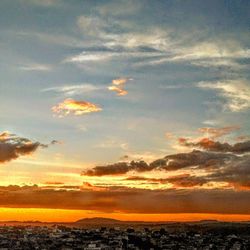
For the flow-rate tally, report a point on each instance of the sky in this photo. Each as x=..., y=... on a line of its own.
x=134, y=110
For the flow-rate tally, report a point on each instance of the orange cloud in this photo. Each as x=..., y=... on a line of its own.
x=218, y=132
x=70, y=106
x=118, y=86
x=216, y=146
x=120, y=91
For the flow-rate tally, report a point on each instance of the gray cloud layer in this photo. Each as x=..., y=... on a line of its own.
x=120, y=199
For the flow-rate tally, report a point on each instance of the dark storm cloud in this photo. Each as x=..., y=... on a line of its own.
x=13, y=146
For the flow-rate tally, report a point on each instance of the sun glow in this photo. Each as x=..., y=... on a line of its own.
x=63, y=215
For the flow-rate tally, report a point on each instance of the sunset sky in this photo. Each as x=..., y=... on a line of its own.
x=134, y=110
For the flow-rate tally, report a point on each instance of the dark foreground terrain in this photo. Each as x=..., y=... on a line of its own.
x=98, y=234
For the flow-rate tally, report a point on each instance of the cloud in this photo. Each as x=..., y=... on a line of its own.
x=112, y=142
x=219, y=170
x=227, y=63
x=36, y=67
x=112, y=38
x=235, y=92
x=210, y=122
x=169, y=163
x=13, y=146
x=91, y=57
x=195, y=158
x=45, y=3
x=120, y=36
x=186, y=181
x=146, y=155
x=181, y=180
x=70, y=106
x=92, y=26
x=231, y=173
x=119, y=199
x=211, y=50
x=71, y=90
x=242, y=137
x=217, y=164
x=218, y=132
x=119, y=168
x=121, y=8
x=200, y=54
x=53, y=142
x=54, y=183
x=118, y=85
x=236, y=173
x=108, y=54
x=210, y=145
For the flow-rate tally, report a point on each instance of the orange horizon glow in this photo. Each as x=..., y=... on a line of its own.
x=63, y=215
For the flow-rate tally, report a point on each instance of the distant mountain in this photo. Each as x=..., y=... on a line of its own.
x=99, y=220
x=204, y=222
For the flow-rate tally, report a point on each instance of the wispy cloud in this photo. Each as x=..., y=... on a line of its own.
x=91, y=57
x=202, y=54
x=218, y=132
x=70, y=90
x=235, y=92
x=118, y=86
x=36, y=67
x=102, y=56
x=46, y=3
x=123, y=7
x=112, y=143
x=70, y=106
x=158, y=46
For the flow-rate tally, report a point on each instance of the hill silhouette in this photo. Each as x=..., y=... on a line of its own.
x=99, y=220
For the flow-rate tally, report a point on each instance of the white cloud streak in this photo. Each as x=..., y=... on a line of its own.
x=235, y=92
x=35, y=67
x=71, y=90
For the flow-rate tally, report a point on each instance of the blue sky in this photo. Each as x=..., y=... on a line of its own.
x=185, y=66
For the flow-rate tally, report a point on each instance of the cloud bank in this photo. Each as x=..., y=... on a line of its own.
x=218, y=164
x=119, y=199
